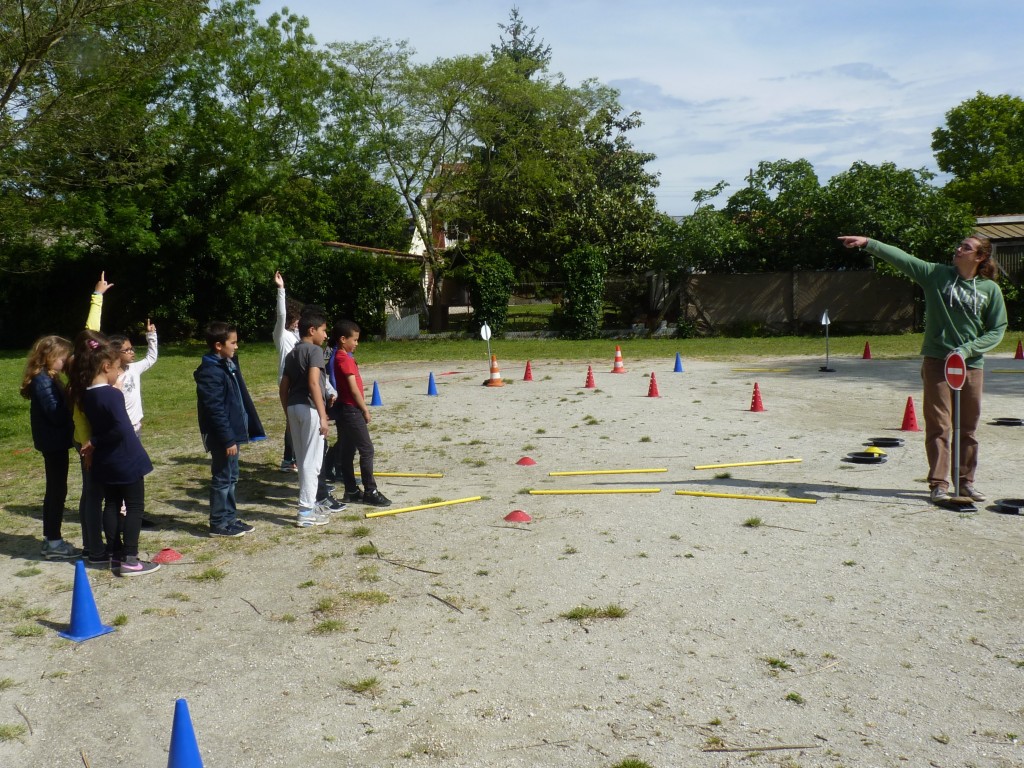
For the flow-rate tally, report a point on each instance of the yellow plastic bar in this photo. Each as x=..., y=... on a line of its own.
x=421, y=506
x=761, y=370
x=1006, y=370
x=604, y=472
x=594, y=491
x=408, y=474
x=747, y=463
x=789, y=499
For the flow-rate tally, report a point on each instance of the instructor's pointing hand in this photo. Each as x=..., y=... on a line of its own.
x=853, y=241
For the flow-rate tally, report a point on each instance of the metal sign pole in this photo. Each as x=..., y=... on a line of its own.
x=954, y=448
x=826, y=322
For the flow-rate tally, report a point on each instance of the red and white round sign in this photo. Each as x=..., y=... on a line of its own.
x=956, y=371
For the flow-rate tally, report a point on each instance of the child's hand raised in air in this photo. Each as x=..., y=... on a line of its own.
x=150, y=328
x=278, y=280
x=102, y=286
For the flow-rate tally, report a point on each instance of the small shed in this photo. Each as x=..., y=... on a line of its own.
x=1007, y=235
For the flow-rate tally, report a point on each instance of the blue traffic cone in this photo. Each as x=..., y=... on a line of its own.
x=375, y=400
x=432, y=386
x=679, y=364
x=85, y=619
x=184, y=748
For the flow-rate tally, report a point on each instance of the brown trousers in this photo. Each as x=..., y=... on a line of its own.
x=938, y=421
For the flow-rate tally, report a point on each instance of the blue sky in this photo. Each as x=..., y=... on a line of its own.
x=722, y=86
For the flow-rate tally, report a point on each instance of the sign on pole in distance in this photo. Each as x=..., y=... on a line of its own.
x=485, y=332
x=956, y=371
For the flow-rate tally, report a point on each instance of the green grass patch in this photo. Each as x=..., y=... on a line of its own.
x=369, y=686
x=209, y=574
x=12, y=731
x=587, y=612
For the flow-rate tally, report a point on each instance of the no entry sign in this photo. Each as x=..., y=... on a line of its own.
x=956, y=371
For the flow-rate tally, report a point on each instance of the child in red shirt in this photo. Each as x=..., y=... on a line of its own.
x=352, y=417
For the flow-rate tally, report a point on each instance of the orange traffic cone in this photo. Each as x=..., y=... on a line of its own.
x=910, y=418
x=591, y=384
x=755, y=402
x=617, y=366
x=867, y=350
x=528, y=376
x=495, y=380
x=652, y=391
x=1020, y=352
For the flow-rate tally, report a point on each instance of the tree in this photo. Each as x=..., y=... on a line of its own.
x=81, y=85
x=416, y=128
x=982, y=146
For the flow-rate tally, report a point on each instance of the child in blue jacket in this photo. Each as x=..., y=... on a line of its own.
x=227, y=418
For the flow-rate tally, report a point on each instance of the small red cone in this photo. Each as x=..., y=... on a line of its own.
x=867, y=350
x=591, y=384
x=526, y=461
x=652, y=391
x=518, y=516
x=528, y=376
x=1020, y=352
x=617, y=366
x=910, y=418
x=167, y=555
x=755, y=402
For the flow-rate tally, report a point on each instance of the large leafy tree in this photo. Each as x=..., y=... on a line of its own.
x=416, y=127
x=982, y=146
x=81, y=81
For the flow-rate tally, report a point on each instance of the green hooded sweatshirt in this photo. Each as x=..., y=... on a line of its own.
x=967, y=315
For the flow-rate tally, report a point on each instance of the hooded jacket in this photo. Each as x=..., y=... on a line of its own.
x=968, y=315
x=227, y=415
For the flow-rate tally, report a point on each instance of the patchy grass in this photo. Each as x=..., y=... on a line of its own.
x=27, y=630
x=209, y=574
x=328, y=626
x=369, y=686
x=12, y=731
x=587, y=612
x=753, y=522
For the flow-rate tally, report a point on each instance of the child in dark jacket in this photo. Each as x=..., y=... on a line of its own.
x=50, y=418
x=118, y=464
x=227, y=418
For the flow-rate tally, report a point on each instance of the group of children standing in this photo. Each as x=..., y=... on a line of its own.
x=99, y=413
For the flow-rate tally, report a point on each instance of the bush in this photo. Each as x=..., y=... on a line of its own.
x=491, y=280
x=584, y=270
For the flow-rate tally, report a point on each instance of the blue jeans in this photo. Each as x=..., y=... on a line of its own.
x=224, y=468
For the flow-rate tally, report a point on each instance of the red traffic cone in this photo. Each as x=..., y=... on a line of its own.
x=591, y=384
x=755, y=402
x=495, y=380
x=617, y=366
x=652, y=391
x=526, y=461
x=1020, y=352
x=518, y=516
x=528, y=376
x=867, y=350
x=910, y=418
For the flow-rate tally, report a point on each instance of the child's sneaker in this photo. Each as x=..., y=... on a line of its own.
x=289, y=466
x=329, y=504
x=245, y=528
x=352, y=498
x=59, y=550
x=310, y=519
x=226, y=531
x=132, y=566
x=376, y=499
x=98, y=561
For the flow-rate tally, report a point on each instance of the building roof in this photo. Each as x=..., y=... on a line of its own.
x=1007, y=227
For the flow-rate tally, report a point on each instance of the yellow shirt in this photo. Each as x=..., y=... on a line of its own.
x=92, y=323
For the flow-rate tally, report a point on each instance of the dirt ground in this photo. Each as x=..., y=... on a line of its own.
x=867, y=629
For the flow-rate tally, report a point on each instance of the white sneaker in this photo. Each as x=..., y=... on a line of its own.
x=310, y=519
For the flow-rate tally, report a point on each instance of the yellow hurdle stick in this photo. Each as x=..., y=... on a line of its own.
x=407, y=474
x=761, y=370
x=595, y=490
x=1007, y=370
x=747, y=463
x=604, y=472
x=421, y=506
x=747, y=496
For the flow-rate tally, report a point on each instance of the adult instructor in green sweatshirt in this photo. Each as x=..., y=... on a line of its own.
x=964, y=312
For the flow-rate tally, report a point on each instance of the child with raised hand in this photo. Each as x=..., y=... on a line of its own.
x=352, y=418
x=118, y=463
x=129, y=382
x=52, y=429
x=286, y=336
x=227, y=418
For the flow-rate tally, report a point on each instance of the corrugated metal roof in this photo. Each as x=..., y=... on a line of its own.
x=1002, y=231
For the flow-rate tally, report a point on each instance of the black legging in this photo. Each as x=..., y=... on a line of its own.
x=123, y=532
x=56, y=465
